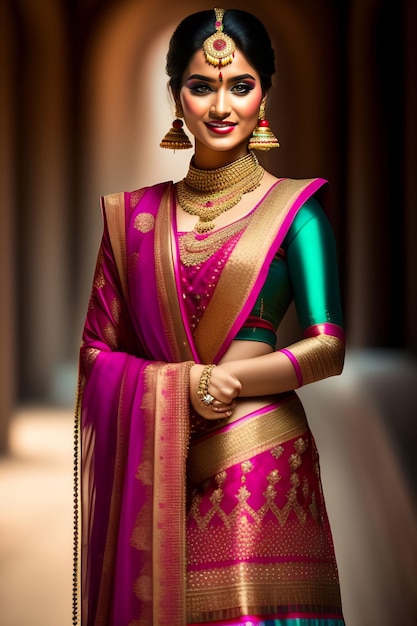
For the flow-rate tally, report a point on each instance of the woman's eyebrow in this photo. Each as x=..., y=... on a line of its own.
x=208, y=79
x=235, y=79
x=201, y=77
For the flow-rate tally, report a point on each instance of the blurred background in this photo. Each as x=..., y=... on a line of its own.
x=83, y=106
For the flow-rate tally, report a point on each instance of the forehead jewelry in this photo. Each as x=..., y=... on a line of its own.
x=219, y=48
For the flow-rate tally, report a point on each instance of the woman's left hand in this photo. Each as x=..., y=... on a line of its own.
x=223, y=387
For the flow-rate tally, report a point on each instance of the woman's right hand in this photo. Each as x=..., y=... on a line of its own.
x=223, y=386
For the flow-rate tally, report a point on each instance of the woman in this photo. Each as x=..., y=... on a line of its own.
x=201, y=491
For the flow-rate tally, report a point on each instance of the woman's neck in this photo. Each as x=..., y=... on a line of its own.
x=206, y=159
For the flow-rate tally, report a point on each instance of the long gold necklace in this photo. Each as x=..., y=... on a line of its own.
x=209, y=193
x=194, y=251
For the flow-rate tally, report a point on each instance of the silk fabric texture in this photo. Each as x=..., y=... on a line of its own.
x=134, y=399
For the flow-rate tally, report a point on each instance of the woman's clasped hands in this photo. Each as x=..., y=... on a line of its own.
x=213, y=391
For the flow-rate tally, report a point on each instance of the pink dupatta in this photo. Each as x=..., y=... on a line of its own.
x=134, y=397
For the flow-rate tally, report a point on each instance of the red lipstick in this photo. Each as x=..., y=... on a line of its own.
x=221, y=128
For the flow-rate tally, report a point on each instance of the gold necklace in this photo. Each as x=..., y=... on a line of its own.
x=194, y=251
x=209, y=193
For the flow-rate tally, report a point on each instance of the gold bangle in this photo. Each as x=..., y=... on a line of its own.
x=202, y=391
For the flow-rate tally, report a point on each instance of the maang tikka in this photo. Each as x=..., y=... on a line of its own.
x=262, y=137
x=219, y=48
x=176, y=139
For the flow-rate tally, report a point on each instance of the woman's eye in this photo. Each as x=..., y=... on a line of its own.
x=242, y=89
x=200, y=88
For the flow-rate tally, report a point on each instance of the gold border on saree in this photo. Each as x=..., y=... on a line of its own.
x=246, y=438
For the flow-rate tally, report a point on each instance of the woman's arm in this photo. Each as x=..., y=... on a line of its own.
x=312, y=264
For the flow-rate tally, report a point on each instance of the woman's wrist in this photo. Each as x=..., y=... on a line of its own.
x=203, y=384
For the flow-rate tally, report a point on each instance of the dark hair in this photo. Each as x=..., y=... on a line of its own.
x=248, y=33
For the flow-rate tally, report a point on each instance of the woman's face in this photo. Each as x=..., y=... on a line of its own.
x=221, y=106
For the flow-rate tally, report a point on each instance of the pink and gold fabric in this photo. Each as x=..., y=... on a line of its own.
x=258, y=536
x=180, y=524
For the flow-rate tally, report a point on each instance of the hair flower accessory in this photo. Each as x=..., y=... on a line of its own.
x=219, y=48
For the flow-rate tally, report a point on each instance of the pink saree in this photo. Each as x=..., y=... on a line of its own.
x=178, y=531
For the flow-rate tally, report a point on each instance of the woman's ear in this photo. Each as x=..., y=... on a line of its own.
x=264, y=99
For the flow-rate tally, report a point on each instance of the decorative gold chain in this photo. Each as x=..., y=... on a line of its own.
x=194, y=251
x=204, y=380
x=209, y=193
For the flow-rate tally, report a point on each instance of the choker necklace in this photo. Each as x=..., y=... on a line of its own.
x=209, y=193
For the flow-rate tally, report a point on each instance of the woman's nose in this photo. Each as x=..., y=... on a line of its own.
x=221, y=106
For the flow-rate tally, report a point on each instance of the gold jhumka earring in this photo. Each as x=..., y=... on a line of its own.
x=262, y=137
x=176, y=139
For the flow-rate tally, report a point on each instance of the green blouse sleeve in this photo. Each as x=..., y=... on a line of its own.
x=312, y=265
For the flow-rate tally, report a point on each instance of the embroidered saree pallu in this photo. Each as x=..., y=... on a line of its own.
x=258, y=537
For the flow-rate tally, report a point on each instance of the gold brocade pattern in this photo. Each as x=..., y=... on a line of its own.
x=111, y=337
x=116, y=309
x=258, y=537
x=162, y=472
x=144, y=222
x=114, y=208
x=167, y=293
x=135, y=196
x=261, y=591
x=99, y=280
x=259, y=433
x=143, y=588
x=89, y=356
x=316, y=363
x=242, y=496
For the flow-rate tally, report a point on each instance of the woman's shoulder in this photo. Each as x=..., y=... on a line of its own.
x=131, y=201
x=138, y=193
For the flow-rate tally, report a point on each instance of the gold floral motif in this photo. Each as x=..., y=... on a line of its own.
x=246, y=467
x=203, y=521
x=273, y=477
x=294, y=462
x=144, y=473
x=144, y=222
x=135, y=196
x=141, y=538
x=143, y=588
x=216, y=497
x=112, y=199
x=270, y=493
x=116, y=309
x=301, y=445
x=99, y=280
x=243, y=494
x=110, y=335
x=220, y=478
x=277, y=451
x=90, y=355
